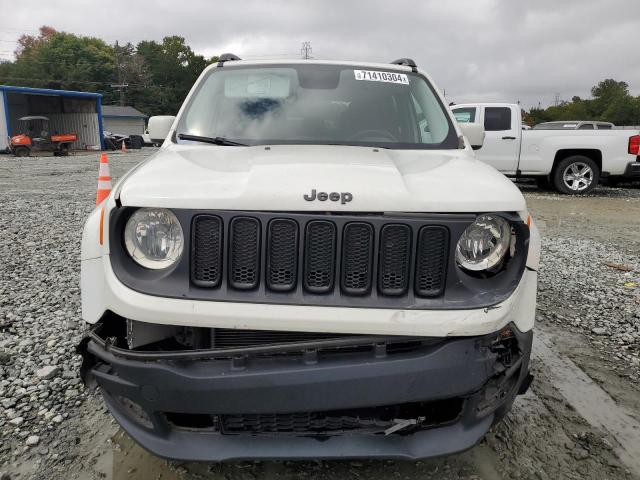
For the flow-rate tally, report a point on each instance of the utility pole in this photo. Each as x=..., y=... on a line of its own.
x=306, y=50
x=120, y=86
x=556, y=100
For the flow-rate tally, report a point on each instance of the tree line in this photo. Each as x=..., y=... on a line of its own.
x=611, y=102
x=158, y=75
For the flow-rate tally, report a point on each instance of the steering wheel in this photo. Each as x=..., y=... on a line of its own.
x=367, y=134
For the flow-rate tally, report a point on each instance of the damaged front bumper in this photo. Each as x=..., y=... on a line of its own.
x=351, y=397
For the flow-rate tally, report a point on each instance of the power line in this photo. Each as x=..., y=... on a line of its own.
x=86, y=82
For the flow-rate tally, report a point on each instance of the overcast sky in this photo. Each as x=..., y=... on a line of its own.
x=490, y=50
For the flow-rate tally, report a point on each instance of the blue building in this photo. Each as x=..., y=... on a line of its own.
x=68, y=112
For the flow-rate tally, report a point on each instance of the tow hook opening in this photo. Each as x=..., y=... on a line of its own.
x=507, y=371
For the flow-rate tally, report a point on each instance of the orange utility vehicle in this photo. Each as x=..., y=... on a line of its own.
x=34, y=136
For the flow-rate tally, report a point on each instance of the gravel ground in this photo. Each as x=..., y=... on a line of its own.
x=50, y=427
x=43, y=205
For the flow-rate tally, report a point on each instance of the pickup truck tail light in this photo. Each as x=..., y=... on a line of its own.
x=634, y=145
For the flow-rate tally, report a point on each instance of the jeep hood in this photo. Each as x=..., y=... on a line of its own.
x=276, y=178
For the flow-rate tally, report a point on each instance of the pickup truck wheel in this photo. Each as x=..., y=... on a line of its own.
x=576, y=174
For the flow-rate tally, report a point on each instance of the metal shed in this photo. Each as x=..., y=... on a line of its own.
x=124, y=120
x=68, y=112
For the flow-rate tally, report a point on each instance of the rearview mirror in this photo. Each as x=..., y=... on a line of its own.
x=474, y=133
x=159, y=127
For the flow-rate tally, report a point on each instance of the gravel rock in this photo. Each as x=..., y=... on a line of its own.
x=32, y=440
x=579, y=453
x=47, y=372
x=599, y=331
x=5, y=358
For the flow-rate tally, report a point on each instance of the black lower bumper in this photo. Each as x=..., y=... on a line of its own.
x=633, y=170
x=433, y=399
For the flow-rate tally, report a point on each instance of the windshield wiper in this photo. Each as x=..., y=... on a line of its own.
x=214, y=140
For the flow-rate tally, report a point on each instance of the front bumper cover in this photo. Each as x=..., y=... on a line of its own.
x=476, y=372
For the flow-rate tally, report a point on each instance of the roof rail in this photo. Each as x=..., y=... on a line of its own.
x=227, y=57
x=407, y=62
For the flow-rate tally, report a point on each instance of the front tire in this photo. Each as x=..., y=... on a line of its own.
x=21, y=152
x=576, y=175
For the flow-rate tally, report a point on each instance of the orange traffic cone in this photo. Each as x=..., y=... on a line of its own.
x=124, y=147
x=104, y=180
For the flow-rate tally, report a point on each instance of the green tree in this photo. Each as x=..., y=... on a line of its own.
x=611, y=102
x=62, y=60
x=158, y=75
x=172, y=68
x=610, y=88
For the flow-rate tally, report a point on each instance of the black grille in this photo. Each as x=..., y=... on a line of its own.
x=232, y=338
x=320, y=256
x=206, y=259
x=357, y=258
x=431, y=262
x=296, y=423
x=395, y=253
x=368, y=419
x=244, y=262
x=282, y=257
x=311, y=258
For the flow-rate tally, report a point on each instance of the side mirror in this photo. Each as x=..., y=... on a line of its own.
x=474, y=133
x=159, y=127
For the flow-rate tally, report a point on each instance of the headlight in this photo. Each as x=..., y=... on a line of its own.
x=484, y=243
x=153, y=237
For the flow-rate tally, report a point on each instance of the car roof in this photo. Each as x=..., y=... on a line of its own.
x=298, y=61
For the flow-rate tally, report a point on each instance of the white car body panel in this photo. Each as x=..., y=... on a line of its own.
x=106, y=292
x=533, y=151
x=253, y=178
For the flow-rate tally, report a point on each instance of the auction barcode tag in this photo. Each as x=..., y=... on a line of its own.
x=375, y=76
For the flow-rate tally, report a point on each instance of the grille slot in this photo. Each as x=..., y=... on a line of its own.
x=282, y=256
x=206, y=253
x=431, y=261
x=320, y=255
x=244, y=257
x=395, y=253
x=357, y=258
x=232, y=338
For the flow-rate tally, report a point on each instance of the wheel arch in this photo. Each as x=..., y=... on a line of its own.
x=592, y=153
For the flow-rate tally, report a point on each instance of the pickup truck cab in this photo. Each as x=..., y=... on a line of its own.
x=573, y=161
x=313, y=265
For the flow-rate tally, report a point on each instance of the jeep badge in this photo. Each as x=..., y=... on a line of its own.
x=344, y=197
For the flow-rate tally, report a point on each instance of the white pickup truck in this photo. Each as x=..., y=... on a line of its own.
x=313, y=265
x=573, y=161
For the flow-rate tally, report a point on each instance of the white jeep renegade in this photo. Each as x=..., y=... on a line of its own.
x=314, y=265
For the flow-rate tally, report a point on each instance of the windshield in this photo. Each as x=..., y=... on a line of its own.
x=317, y=104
